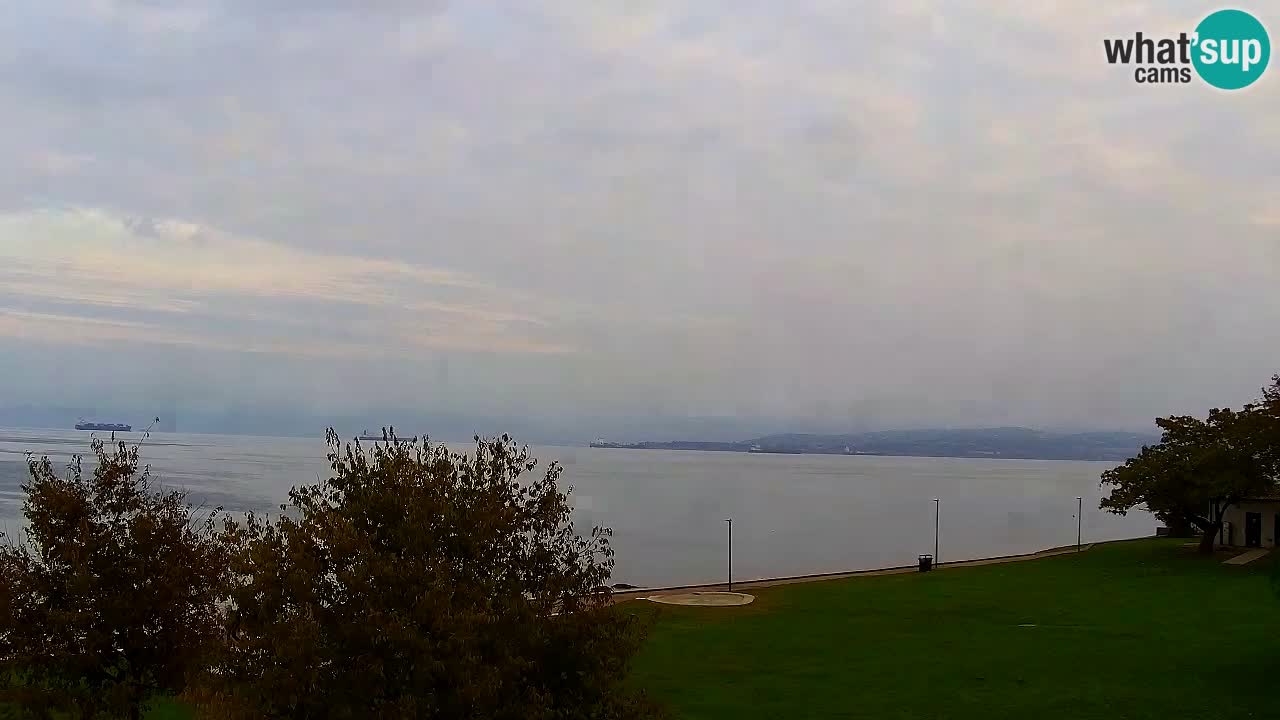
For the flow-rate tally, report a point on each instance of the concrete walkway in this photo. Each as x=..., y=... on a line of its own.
x=771, y=582
x=1246, y=557
x=703, y=599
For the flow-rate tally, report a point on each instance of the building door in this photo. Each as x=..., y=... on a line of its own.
x=1253, y=529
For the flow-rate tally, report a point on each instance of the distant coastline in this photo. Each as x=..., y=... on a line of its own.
x=990, y=443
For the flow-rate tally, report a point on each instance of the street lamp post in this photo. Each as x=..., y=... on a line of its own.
x=1079, y=519
x=937, y=514
x=730, y=521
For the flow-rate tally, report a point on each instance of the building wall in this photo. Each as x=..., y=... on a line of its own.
x=1235, y=517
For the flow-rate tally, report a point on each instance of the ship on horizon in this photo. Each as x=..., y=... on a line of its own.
x=370, y=437
x=756, y=450
x=602, y=443
x=82, y=424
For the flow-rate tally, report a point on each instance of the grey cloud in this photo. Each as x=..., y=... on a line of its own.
x=912, y=213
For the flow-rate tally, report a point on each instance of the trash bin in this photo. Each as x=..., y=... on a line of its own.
x=926, y=563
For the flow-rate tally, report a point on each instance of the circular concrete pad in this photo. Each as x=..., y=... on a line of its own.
x=704, y=599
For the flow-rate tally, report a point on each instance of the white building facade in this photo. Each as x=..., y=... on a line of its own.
x=1252, y=523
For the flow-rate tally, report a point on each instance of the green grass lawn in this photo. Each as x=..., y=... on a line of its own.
x=1143, y=629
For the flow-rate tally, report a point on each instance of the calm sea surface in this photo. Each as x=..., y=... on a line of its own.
x=792, y=514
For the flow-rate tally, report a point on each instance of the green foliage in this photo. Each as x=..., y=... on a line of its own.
x=1199, y=469
x=1269, y=408
x=418, y=583
x=111, y=597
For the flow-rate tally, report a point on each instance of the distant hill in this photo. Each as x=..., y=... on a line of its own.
x=1005, y=442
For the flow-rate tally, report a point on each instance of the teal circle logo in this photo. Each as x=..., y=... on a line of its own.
x=1231, y=49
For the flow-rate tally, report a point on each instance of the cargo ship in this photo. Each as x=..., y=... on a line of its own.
x=367, y=436
x=602, y=443
x=773, y=450
x=105, y=427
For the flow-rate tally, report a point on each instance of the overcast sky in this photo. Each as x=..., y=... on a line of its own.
x=861, y=215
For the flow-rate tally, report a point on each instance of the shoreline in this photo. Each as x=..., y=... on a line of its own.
x=641, y=593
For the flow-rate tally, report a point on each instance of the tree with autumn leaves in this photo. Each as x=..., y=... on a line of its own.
x=419, y=582
x=111, y=597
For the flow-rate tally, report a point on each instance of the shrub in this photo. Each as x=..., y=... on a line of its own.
x=417, y=583
x=111, y=597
